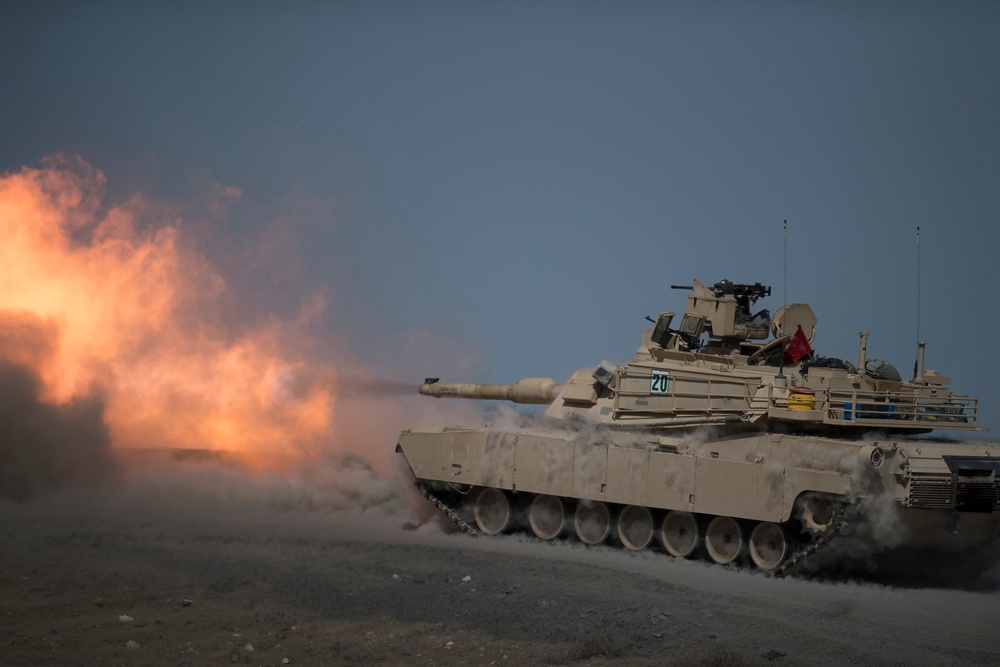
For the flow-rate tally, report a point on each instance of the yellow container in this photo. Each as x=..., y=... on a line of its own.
x=802, y=398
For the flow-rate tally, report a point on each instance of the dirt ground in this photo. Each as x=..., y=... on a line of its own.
x=158, y=576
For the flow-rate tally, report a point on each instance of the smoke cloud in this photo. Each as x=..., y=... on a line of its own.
x=129, y=305
x=122, y=340
x=45, y=447
x=363, y=387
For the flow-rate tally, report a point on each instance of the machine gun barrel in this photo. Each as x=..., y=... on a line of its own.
x=528, y=390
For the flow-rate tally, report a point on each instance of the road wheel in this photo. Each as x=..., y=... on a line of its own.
x=724, y=540
x=546, y=516
x=680, y=534
x=769, y=545
x=492, y=511
x=635, y=527
x=592, y=521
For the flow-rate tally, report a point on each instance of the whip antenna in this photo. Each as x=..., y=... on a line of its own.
x=918, y=367
x=784, y=288
x=918, y=284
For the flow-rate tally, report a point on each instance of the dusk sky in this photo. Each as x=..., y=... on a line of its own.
x=486, y=191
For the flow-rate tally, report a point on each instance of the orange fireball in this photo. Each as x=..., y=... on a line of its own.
x=103, y=298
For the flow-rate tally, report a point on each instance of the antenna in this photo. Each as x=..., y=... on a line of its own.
x=784, y=296
x=918, y=284
x=784, y=289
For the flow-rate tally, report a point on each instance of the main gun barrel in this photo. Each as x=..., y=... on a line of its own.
x=528, y=390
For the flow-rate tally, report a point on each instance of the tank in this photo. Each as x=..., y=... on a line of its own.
x=728, y=438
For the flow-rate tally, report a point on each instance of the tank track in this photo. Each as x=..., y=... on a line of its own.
x=821, y=542
x=444, y=509
x=791, y=563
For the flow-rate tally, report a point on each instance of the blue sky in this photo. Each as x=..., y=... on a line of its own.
x=521, y=182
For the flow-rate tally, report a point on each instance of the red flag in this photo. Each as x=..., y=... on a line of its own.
x=797, y=347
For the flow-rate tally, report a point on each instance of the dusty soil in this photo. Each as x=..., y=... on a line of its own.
x=119, y=581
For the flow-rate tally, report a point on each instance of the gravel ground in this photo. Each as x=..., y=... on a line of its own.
x=211, y=566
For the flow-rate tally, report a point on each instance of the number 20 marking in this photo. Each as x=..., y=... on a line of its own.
x=660, y=382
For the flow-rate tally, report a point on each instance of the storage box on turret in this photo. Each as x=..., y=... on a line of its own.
x=932, y=377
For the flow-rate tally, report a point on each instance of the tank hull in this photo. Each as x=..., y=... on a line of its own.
x=860, y=505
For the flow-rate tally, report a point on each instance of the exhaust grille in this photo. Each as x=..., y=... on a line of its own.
x=977, y=496
x=963, y=494
x=930, y=492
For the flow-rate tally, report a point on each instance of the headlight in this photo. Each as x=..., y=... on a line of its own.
x=877, y=457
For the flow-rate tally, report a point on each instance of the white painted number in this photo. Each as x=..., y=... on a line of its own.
x=660, y=382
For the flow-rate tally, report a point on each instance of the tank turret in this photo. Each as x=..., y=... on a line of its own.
x=727, y=437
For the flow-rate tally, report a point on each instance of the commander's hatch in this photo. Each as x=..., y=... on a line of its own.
x=692, y=325
x=687, y=337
